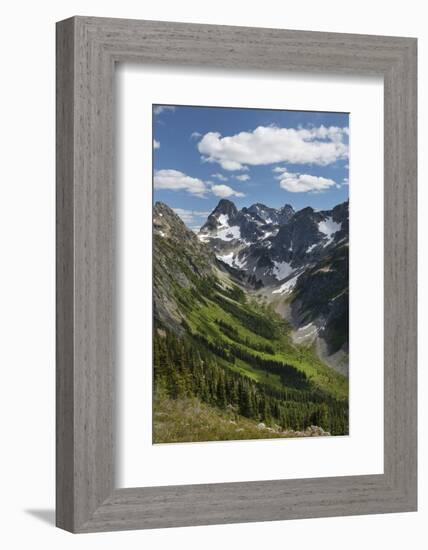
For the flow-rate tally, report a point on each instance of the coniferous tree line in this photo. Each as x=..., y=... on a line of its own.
x=232, y=333
x=189, y=367
x=290, y=376
x=258, y=324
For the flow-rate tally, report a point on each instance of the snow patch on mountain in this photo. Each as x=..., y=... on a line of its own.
x=281, y=270
x=269, y=234
x=305, y=333
x=240, y=263
x=227, y=259
x=224, y=231
x=287, y=287
x=229, y=233
x=329, y=227
x=203, y=237
x=232, y=260
x=223, y=220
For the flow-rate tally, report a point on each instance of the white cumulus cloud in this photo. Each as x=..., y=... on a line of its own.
x=177, y=181
x=242, y=177
x=195, y=135
x=219, y=177
x=302, y=183
x=271, y=144
x=158, y=109
x=156, y=144
x=225, y=191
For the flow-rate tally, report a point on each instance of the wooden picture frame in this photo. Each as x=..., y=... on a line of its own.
x=87, y=50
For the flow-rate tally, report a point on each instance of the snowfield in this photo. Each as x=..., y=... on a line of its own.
x=203, y=237
x=229, y=259
x=228, y=233
x=287, y=287
x=329, y=227
x=281, y=270
x=240, y=263
x=224, y=232
x=223, y=220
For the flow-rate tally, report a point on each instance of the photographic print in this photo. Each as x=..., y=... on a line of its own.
x=250, y=273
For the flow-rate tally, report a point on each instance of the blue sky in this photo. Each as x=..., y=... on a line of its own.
x=203, y=154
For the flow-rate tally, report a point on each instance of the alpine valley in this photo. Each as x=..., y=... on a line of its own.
x=250, y=323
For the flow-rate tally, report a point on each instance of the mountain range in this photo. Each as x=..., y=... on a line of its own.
x=251, y=317
x=296, y=260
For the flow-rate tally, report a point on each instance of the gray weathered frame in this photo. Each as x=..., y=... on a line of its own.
x=87, y=50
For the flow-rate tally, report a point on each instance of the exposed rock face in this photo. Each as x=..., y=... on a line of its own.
x=321, y=297
x=178, y=256
x=226, y=223
x=271, y=243
x=271, y=216
x=225, y=210
x=229, y=230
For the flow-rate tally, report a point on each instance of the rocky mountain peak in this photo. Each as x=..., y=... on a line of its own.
x=270, y=215
x=166, y=221
x=257, y=208
x=167, y=225
x=226, y=207
x=221, y=217
x=287, y=210
x=304, y=212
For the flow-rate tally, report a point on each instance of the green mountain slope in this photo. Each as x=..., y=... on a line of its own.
x=214, y=343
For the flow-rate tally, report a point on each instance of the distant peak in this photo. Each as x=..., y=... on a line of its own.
x=225, y=203
x=305, y=211
x=162, y=207
x=258, y=205
x=225, y=206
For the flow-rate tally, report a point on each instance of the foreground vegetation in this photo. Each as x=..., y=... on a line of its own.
x=191, y=420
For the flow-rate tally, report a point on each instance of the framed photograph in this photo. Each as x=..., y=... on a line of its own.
x=250, y=328
x=236, y=274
